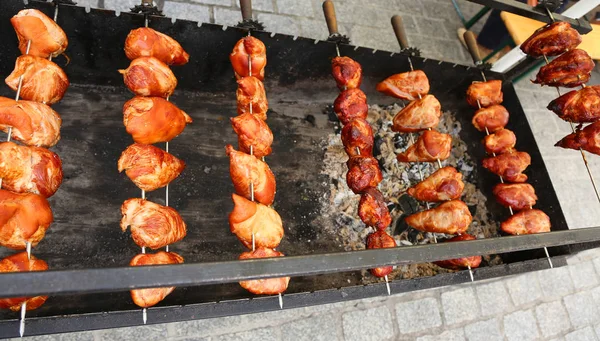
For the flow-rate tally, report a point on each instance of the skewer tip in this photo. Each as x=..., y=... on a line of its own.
x=470, y=273
x=280, y=301
x=387, y=285
x=145, y=315
x=22, y=321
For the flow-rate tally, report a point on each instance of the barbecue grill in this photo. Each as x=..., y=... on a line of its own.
x=88, y=254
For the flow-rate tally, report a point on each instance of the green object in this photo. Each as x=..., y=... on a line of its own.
x=468, y=24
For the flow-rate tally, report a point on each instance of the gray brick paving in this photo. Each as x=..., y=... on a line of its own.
x=524, y=289
x=520, y=326
x=264, y=334
x=416, y=316
x=584, y=334
x=449, y=335
x=199, y=13
x=150, y=333
x=552, y=318
x=493, y=298
x=460, y=305
x=555, y=282
x=582, y=309
x=371, y=324
x=484, y=330
x=584, y=275
x=318, y=328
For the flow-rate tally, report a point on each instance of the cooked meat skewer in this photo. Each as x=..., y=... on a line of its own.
x=587, y=139
x=492, y=118
x=357, y=137
x=578, y=106
x=347, y=73
x=528, y=221
x=148, y=76
x=47, y=38
x=450, y=217
x=249, y=218
x=246, y=49
x=245, y=170
x=21, y=262
x=500, y=142
x=515, y=196
x=251, y=92
x=351, y=104
x=252, y=133
x=418, y=115
x=509, y=165
x=146, y=42
x=24, y=219
x=431, y=146
x=445, y=184
x=43, y=81
x=146, y=298
x=32, y=123
x=485, y=94
x=551, y=40
x=269, y=286
x=380, y=240
x=408, y=86
x=152, y=120
x=363, y=172
x=569, y=70
x=373, y=210
x=460, y=263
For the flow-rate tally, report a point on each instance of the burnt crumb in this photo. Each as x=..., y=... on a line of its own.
x=311, y=119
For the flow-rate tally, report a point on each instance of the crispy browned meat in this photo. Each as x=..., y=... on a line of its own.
x=587, y=139
x=149, y=167
x=430, y=146
x=245, y=169
x=249, y=217
x=253, y=48
x=363, y=173
x=146, y=298
x=408, y=86
x=569, y=70
x=269, y=286
x=380, y=240
x=418, y=115
x=460, y=263
x=148, y=76
x=509, y=165
x=21, y=263
x=347, y=72
x=517, y=196
x=252, y=132
x=486, y=93
x=146, y=42
x=251, y=91
x=579, y=106
x=351, y=104
x=47, y=38
x=551, y=40
x=528, y=221
x=152, y=225
x=23, y=218
x=153, y=119
x=445, y=184
x=373, y=210
x=358, y=134
x=450, y=217
x=500, y=142
x=493, y=118
x=43, y=81
x=33, y=123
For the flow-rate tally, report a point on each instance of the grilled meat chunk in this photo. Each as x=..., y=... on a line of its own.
x=47, y=38
x=418, y=115
x=509, y=165
x=527, y=221
x=146, y=42
x=21, y=263
x=43, y=81
x=351, y=104
x=373, y=210
x=246, y=169
x=249, y=217
x=363, y=173
x=23, y=218
x=408, y=86
x=578, y=106
x=357, y=137
x=569, y=70
x=153, y=119
x=493, y=118
x=517, y=196
x=430, y=146
x=149, y=167
x=551, y=40
x=380, y=240
x=269, y=286
x=146, y=298
x=460, y=263
x=148, y=76
x=587, y=139
x=484, y=94
x=152, y=225
x=252, y=132
x=445, y=184
x=347, y=72
x=500, y=142
x=33, y=123
x=251, y=91
x=249, y=47
x=450, y=217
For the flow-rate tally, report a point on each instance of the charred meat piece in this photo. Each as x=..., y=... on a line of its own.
x=43, y=81
x=148, y=76
x=23, y=218
x=252, y=132
x=373, y=210
x=357, y=137
x=418, y=115
x=251, y=91
x=587, y=139
x=430, y=146
x=33, y=123
x=380, y=240
x=246, y=169
x=347, y=73
x=146, y=42
x=569, y=70
x=500, y=142
x=527, y=221
x=445, y=184
x=450, y=217
x=509, y=165
x=363, y=173
x=408, y=86
x=486, y=93
x=269, y=286
x=517, y=196
x=578, y=106
x=26, y=169
x=493, y=118
x=149, y=167
x=146, y=298
x=249, y=217
x=152, y=225
x=153, y=119
x=460, y=263
x=47, y=38
x=20, y=262
x=551, y=40
x=351, y=104
x=249, y=47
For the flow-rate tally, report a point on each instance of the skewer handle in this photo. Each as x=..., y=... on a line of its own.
x=330, y=18
x=246, y=7
x=471, y=41
x=147, y=2
x=399, y=30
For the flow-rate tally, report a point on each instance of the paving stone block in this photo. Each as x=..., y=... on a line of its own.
x=524, y=288
x=484, y=330
x=363, y=13
x=584, y=275
x=520, y=326
x=555, y=282
x=279, y=23
x=493, y=298
x=79, y=336
x=227, y=16
x=179, y=10
x=371, y=324
x=585, y=334
x=120, y=5
x=153, y=332
x=417, y=316
x=434, y=27
x=597, y=328
x=312, y=28
x=375, y=38
x=213, y=326
x=552, y=318
x=449, y=335
x=317, y=328
x=87, y=3
x=460, y=305
x=225, y=3
x=260, y=5
x=438, y=10
x=582, y=309
x=298, y=8
x=263, y=334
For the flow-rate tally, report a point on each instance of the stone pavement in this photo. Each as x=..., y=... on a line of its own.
x=557, y=304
